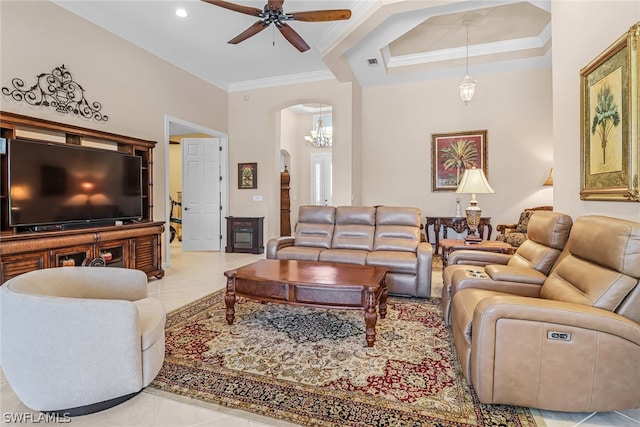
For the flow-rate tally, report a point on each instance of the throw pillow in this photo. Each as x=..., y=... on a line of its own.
x=523, y=222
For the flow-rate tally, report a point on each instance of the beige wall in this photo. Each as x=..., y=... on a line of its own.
x=515, y=109
x=255, y=134
x=392, y=162
x=135, y=88
x=576, y=42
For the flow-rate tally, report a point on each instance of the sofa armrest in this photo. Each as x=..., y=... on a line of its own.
x=534, y=352
x=277, y=243
x=515, y=274
x=424, y=255
x=465, y=278
x=471, y=257
x=506, y=228
x=492, y=309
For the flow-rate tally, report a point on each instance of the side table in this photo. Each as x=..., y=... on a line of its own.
x=458, y=224
x=450, y=245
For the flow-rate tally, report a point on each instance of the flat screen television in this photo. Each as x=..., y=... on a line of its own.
x=64, y=184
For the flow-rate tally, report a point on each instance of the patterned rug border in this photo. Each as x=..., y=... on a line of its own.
x=243, y=405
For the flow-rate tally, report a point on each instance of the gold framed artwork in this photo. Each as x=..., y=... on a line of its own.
x=247, y=175
x=609, y=122
x=452, y=153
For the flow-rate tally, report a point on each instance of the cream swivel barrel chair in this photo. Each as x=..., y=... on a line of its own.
x=575, y=347
x=523, y=273
x=77, y=340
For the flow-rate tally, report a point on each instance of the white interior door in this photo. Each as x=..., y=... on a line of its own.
x=321, y=179
x=201, y=194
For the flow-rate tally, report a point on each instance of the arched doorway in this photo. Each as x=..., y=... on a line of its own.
x=309, y=165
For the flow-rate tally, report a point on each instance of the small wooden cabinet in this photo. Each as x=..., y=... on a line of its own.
x=244, y=235
x=134, y=245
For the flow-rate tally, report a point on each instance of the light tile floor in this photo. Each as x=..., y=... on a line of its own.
x=191, y=276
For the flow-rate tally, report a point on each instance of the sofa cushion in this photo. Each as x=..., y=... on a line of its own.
x=151, y=318
x=548, y=233
x=600, y=266
x=514, y=239
x=349, y=256
x=314, y=235
x=523, y=222
x=299, y=253
x=397, y=229
x=315, y=226
x=550, y=228
x=354, y=229
x=396, y=238
x=396, y=261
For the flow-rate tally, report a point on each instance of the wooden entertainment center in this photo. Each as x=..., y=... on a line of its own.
x=134, y=244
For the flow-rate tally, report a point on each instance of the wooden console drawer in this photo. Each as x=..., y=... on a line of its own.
x=13, y=265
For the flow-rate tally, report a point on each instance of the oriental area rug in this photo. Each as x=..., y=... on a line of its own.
x=312, y=367
x=436, y=263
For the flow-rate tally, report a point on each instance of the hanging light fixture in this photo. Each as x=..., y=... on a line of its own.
x=321, y=137
x=467, y=85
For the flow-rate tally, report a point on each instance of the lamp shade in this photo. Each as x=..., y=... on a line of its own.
x=549, y=180
x=474, y=182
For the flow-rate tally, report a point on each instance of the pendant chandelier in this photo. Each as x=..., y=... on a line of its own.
x=321, y=136
x=467, y=85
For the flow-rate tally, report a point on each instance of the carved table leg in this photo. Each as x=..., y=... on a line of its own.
x=370, y=316
x=383, y=300
x=230, y=300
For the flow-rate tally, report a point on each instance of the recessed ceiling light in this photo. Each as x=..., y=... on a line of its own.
x=181, y=13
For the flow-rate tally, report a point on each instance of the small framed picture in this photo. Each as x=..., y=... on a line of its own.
x=247, y=175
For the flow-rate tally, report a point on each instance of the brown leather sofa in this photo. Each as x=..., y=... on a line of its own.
x=573, y=347
x=521, y=273
x=366, y=235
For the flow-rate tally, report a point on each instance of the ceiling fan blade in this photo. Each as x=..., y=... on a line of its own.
x=322, y=15
x=235, y=7
x=293, y=37
x=251, y=31
x=275, y=4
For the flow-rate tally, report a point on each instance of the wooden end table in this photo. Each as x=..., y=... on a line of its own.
x=313, y=284
x=450, y=245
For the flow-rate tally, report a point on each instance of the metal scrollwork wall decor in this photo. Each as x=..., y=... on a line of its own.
x=58, y=90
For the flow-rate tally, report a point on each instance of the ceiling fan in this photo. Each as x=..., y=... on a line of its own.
x=274, y=14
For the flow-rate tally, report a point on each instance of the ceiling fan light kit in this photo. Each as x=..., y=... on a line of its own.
x=273, y=13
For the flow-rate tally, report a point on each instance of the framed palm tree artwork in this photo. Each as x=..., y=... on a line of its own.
x=454, y=152
x=609, y=122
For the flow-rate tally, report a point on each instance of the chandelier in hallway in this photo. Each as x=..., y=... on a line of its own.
x=321, y=135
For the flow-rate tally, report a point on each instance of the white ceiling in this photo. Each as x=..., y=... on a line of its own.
x=410, y=39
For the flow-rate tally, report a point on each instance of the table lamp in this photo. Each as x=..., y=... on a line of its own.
x=473, y=182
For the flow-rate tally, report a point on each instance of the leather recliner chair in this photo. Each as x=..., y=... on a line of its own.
x=522, y=273
x=575, y=347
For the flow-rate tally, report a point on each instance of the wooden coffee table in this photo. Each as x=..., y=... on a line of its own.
x=450, y=245
x=313, y=284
